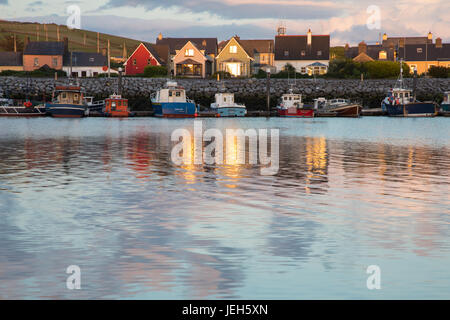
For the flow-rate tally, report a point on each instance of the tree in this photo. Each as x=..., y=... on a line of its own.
x=155, y=71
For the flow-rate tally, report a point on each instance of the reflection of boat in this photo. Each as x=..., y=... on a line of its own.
x=116, y=106
x=291, y=105
x=67, y=102
x=171, y=102
x=336, y=108
x=401, y=102
x=226, y=107
x=445, y=106
x=19, y=108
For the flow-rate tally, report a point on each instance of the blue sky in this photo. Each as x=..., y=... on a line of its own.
x=345, y=20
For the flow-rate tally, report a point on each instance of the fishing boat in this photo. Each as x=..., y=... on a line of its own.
x=336, y=108
x=225, y=106
x=445, y=106
x=291, y=105
x=67, y=102
x=401, y=102
x=20, y=108
x=116, y=106
x=171, y=102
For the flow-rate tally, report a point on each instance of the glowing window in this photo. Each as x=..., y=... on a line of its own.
x=233, y=49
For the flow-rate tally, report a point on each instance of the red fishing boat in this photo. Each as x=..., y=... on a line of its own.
x=116, y=106
x=291, y=105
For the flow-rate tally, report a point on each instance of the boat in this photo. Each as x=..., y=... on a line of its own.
x=401, y=102
x=445, y=106
x=67, y=102
x=94, y=107
x=225, y=106
x=20, y=108
x=116, y=106
x=171, y=102
x=336, y=108
x=291, y=105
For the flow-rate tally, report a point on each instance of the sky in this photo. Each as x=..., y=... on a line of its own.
x=347, y=21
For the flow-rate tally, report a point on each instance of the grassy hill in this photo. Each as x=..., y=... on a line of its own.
x=79, y=40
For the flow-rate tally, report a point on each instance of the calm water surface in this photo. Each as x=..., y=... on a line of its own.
x=103, y=194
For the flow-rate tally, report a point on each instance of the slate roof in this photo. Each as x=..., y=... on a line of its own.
x=427, y=52
x=395, y=41
x=372, y=51
x=50, y=48
x=174, y=44
x=85, y=59
x=291, y=47
x=11, y=59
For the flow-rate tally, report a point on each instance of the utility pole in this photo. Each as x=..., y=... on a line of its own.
x=109, y=60
x=15, y=43
x=98, y=42
x=37, y=32
x=57, y=32
x=268, y=91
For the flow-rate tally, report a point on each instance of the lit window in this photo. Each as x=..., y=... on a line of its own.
x=303, y=53
x=319, y=53
x=382, y=55
x=233, y=49
x=286, y=53
x=303, y=70
x=189, y=53
x=419, y=50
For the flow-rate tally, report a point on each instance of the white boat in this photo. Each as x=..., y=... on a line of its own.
x=172, y=102
x=227, y=107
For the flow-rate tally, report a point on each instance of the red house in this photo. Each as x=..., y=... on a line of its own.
x=146, y=54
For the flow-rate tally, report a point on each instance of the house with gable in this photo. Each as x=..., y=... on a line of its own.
x=234, y=59
x=146, y=54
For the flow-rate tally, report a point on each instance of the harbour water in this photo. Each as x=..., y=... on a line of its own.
x=104, y=195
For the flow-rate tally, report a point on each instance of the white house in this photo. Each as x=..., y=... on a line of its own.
x=85, y=64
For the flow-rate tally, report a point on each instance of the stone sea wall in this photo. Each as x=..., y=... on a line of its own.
x=250, y=91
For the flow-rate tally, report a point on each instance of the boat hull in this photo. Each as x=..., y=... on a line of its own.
x=231, y=112
x=415, y=109
x=298, y=113
x=65, y=110
x=445, y=107
x=11, y=111
x=175, y=110
x=347, y=111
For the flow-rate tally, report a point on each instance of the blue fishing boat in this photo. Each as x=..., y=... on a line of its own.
x=171, y=102
x=225, y=106
x=401, y=102
x=445, y=106
x=67, y=102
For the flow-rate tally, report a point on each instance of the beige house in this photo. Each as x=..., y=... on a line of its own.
x=190, y=61
x=234, y=59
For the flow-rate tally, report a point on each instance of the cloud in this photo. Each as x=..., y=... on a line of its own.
x=246, y=9
x=3, y=2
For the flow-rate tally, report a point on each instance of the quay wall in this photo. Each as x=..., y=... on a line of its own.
x=252, y=92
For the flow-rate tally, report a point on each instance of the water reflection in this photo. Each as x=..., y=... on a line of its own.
x=112, y=202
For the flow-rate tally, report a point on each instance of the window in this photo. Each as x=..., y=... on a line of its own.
x=419, y=50
x=233, y=49
x=134, y=62
x=91, y=59
x=189, y=53
x=224, y=99
x=178, y=94
x=319, y=53
x=286, y=53
x=36, y=62
x=149, y=61
x=382, y=55
x=95, y=74
x=413, y=67
x=55, y=62
x=170, y=93
x=303, y=70
x=303, y=53
x=83, y=73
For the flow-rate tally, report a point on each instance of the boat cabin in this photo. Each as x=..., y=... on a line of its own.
x=116, y=106
x=68, y=95
x=290, y=100
x=402, y=96
x=340, y=101
x=172, y=93
x=446, y=98
x=320, y=103
x=224, y=98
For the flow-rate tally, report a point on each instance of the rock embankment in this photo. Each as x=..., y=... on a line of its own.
x=250, y=91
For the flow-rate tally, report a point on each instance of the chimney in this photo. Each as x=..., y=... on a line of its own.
x=362, y=47
x=66, y=44
x=281, y=30
x=347, y=46
x=160, y=36
x=237, y=37
x=438, y=43
x=430, y=37
x=309, y=37
x=384, y=36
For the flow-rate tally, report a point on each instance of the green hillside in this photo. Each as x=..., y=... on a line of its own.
x=79, y=40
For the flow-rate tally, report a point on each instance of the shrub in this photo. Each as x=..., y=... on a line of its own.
x=222, y=74
x=385, y=69
x=155, y=71
x=439, y=72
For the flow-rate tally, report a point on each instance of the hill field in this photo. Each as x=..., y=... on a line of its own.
x=79, y=40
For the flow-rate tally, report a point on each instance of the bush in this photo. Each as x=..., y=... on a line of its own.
x=222, y=74
x=347, y=68
x=439, y=72
x=385, y=69
x=155, y=71
x=44, y=71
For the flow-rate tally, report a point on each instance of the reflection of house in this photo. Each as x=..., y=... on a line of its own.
x=261, y=51
x=40, y=53
x=306, y=53
x=146, y=54
x=85, y=64
x=11, y=61
x=417, y=52
x=234, y=59
x=207, y=46
x=189, y=61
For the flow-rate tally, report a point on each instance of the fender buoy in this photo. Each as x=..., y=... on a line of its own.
x=27, y=104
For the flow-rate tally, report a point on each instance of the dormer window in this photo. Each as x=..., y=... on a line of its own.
x=303, y=53
x=319, y=53
x=286, y=53
x=233, y=49
x=189, y=53
x=91, y=59
x=419, y=50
